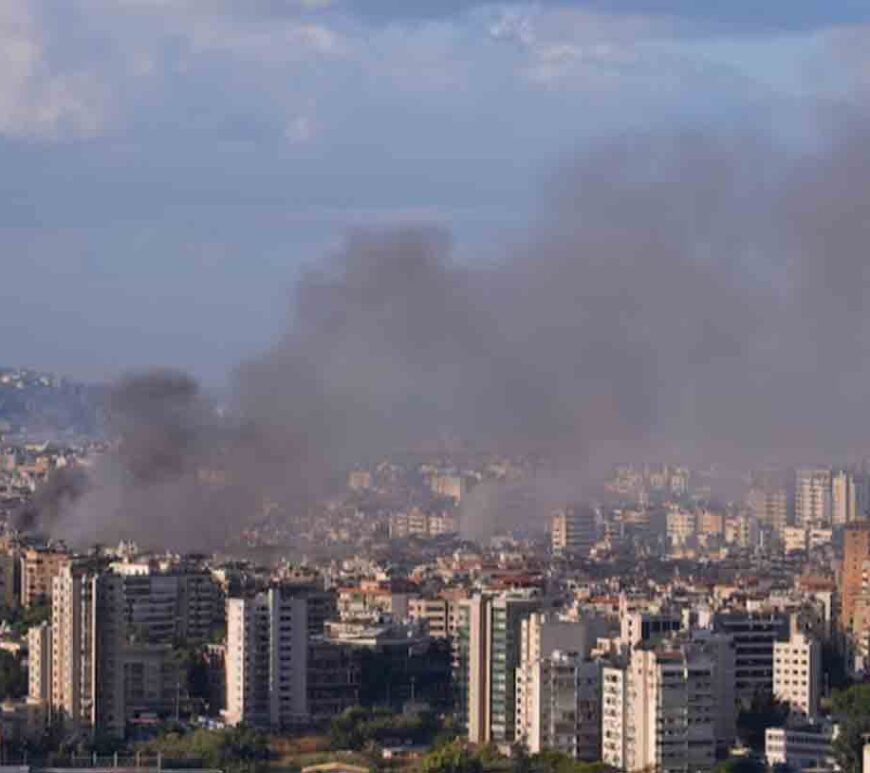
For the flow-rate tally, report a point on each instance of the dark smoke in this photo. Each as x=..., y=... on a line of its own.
x=53, y=499
x=693, y=297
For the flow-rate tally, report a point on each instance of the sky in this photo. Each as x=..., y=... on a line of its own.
x=170, y=166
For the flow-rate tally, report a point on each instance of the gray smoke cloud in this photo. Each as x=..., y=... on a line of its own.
x=696, y=297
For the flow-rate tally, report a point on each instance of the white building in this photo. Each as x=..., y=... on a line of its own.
x=267, y=658
x=87, y=650
x=615, y=719
x=659, y=711
x=562, y=708
x=797, y=673
x=801, y=748
x=812, y=503
x=558, y=690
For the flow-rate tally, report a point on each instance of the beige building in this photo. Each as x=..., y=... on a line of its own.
x=436, y=613
x=39, y=567
x=573, y=531
x=797, y=673
x=39, y=664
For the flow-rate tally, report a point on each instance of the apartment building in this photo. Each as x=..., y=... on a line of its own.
x=39, y=567
x=269, y=657
x=486, y=658
x=87, y=649
x=573, y=531
x=558, y=689
x=797, y=673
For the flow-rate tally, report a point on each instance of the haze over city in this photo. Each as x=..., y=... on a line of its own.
x=435, y=386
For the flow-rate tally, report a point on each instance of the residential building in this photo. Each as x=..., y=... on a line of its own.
x=267, y=656
x=812, y=504
x=804, y=747
x=573, y=531
x=754, y=635
x=797, y=673
x=488, y=653
x=39, y=567
x=856, y=550
x=87, y=649
x=557, y=688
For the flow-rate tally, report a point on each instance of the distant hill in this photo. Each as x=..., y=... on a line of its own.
x=43, y=405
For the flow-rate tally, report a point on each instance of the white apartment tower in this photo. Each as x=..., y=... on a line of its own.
x=812, y=503
x=558, y=689
x=659, y=712
x=562, y=710
x=87, y=649
x=267, y=658
x=797, y=673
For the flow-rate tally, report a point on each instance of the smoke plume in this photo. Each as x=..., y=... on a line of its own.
x=696, y=296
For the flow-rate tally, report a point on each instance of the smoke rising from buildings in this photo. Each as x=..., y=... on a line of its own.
x=690, y=296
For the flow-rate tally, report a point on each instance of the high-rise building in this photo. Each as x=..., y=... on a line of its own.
x=39, y=664
x=87, y=648
x=844, y=498
x=812, y=503
x=563, y=708
x=659, y=711
x=615, y=718
x=573, y=531
x=769, y=499
x=267, y=655
x=856, y=550
x=754, y=636
x=558, y=688
x=797, y=673
x=39, y=567
x=488, y=653
x=167, y=606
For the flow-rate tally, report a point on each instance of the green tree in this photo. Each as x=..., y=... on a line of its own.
x=852, y=711
x=453, y=757
x=551, y=761
x=764, y=711
x=239, y=749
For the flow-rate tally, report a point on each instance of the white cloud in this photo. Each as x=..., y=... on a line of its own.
x=39, y=100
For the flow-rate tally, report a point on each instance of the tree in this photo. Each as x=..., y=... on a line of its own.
x=852, y=710
x=764, y=711
x=453, y=757
x=551, y=761
x=234, y=748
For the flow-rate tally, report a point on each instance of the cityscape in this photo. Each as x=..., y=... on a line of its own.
x=652, y=626
x=434, y=386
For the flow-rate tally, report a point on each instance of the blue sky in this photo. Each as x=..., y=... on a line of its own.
x=168, y=166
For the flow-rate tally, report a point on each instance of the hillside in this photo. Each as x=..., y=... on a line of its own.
x=42, y=405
